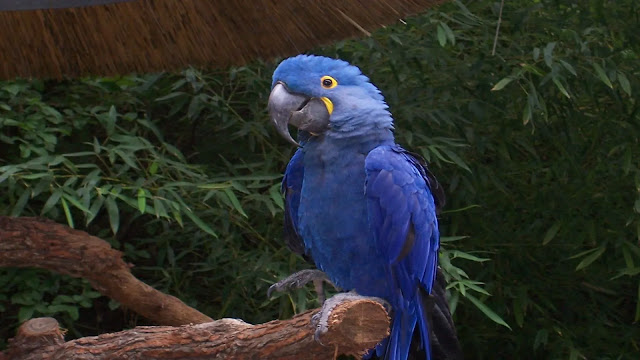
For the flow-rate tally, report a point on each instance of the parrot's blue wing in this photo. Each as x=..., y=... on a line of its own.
x=402, y=216
x=291, y=188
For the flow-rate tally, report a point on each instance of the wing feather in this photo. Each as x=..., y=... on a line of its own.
x=402, y=215
x=291, y=188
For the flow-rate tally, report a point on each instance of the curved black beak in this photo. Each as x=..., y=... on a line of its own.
x=306, y=113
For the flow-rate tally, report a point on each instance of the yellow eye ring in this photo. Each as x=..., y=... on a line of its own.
x=328, y=82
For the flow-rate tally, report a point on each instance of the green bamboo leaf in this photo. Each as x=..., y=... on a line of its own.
x=602, y=75
x=501, y=84
x=445, y=239
x=142, y=201
x=442, y=37
x=76, y=203
x=52, y=201
x=624, y=83
x=487, y=311
x=456, y=159
x=276, y=196
x=450, y=36
x=67, y=212
x=526, y=114
x=561, y=87
x=94, y=209
x=159, y=208
x=7, y=171
x=234, y=201
x=153, y=168
x=111, y=118
x=201, y=224
x=114, y=213
x=591, y=258
x=518, y=311
x=126, y=158
x=22, y=201
x=471, y=285
x=569, y=67
x=551, y=233
x=467, y=256
x=548, y=53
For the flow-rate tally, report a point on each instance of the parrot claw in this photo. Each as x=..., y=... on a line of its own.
x=321, y=319
x=300, y=279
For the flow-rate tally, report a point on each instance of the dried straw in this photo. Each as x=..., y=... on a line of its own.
x=156, y=35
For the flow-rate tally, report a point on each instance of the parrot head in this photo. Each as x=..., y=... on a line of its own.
x=321, y=96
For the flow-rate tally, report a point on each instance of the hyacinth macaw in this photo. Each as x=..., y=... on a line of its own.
x=358, y=204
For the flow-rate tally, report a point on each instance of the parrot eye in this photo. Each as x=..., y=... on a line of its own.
x=328, y=82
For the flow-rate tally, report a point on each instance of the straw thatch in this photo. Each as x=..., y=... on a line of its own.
x=154, y=35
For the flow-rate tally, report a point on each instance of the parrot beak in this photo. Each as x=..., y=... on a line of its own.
x=309, y=114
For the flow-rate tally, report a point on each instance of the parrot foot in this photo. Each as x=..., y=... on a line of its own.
x=300, y=279
x=321, y=319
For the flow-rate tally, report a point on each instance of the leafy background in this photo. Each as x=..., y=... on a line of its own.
x=537, y=144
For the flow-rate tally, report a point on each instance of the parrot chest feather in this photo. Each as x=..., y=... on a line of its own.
x=333, y=218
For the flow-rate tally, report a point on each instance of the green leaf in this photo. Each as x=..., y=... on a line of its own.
x=201, y=224
x=67, y=212
x=153, y=168
x=501, y=84
x=52, y=201
x=111, y=119
x=569, y=67
x=234, y=201
x=159, y=208
x=22, y=201
x=561, y=87
x=592, y=257
x=114, y=213
x=551, y=233
x=445, y=239
x=442, y=37
x=548, y=53
x=76, y=203
x=526, y=114
x=142, y=201
x=450, y=36
x=467, y=256
x=276, y=196
x=542, y=337
x=487, y=311
x=602, y=75
x=25, y=313
x=624, y=83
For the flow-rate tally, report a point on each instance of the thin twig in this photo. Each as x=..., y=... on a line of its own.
x=495, y=39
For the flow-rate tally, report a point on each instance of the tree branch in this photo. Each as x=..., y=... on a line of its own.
x=42, y=243
x=353, y=327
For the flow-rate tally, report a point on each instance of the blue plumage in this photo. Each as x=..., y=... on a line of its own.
x=359, y=204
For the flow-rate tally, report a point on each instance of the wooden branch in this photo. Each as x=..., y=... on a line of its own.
x=42, y=243
x=353, y=326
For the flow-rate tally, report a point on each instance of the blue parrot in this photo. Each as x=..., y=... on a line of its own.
x=356, y=203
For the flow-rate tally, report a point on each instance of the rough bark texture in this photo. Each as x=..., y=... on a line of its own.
x=353, y=326
x=42, y=243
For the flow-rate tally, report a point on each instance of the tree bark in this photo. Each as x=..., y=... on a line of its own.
x=353, y=326
x=42, y=243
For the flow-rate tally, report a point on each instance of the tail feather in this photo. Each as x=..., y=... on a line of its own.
x=434, y=328
x=402, y=328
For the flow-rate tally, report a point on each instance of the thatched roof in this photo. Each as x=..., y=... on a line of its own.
x=40, y=38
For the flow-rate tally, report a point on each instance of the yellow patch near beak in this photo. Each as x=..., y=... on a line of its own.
x=328, y=104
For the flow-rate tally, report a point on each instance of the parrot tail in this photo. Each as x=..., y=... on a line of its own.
x=434, y=328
